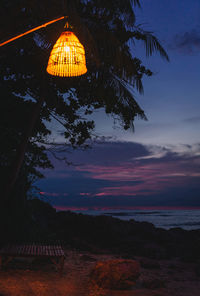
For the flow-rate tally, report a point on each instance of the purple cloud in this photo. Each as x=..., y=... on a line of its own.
x=187, y=43
x=126, y=174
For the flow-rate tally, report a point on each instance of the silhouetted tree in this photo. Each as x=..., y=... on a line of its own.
x=14, y=115
x=108, y=31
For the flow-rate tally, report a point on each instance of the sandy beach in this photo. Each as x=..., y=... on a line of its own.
x=158, y=278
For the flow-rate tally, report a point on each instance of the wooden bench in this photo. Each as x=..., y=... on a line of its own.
x=54, y=252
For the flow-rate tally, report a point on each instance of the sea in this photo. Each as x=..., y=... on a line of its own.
x=188, y=219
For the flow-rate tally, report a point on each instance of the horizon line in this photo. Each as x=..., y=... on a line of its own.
x=71, y=208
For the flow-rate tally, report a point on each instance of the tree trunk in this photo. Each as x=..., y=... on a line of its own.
x=20, y=153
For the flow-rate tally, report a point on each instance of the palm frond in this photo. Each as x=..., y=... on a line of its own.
x=125, y=92
x=152, y=44
x=136, y=2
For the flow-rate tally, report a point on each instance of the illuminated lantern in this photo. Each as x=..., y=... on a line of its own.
x=67, y=58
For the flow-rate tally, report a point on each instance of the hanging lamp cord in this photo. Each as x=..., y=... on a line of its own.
x=32, y=30
x=68, y=27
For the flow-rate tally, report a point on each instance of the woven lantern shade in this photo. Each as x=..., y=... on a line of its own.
x=67, y=58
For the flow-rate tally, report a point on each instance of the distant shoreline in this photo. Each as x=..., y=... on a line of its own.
x=187, y=218
x=143, y=208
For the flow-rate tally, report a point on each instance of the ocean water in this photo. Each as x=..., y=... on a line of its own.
x=186, y=219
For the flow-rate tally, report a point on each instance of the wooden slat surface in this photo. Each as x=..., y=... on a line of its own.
x=33, y=250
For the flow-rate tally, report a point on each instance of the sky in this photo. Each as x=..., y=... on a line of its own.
x=158, y=164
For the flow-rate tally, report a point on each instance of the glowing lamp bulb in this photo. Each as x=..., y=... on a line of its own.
x=67, y=58
x=67, y=48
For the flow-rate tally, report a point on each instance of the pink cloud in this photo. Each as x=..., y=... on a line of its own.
x=148, y=178
x=53, y=194
x=136, y=172
x=49, y=193
x=66, y=208
x=103, y=193
x=85, y=194
x=134, y=190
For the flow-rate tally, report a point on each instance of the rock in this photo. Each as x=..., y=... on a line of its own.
x=115, y=274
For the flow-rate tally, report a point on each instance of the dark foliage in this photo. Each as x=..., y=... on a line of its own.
x=105, y=234
x=106, y=29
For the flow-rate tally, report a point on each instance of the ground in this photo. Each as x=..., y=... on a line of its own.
x=158, y=278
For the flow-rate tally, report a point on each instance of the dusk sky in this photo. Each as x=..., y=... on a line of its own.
x=158, y=164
